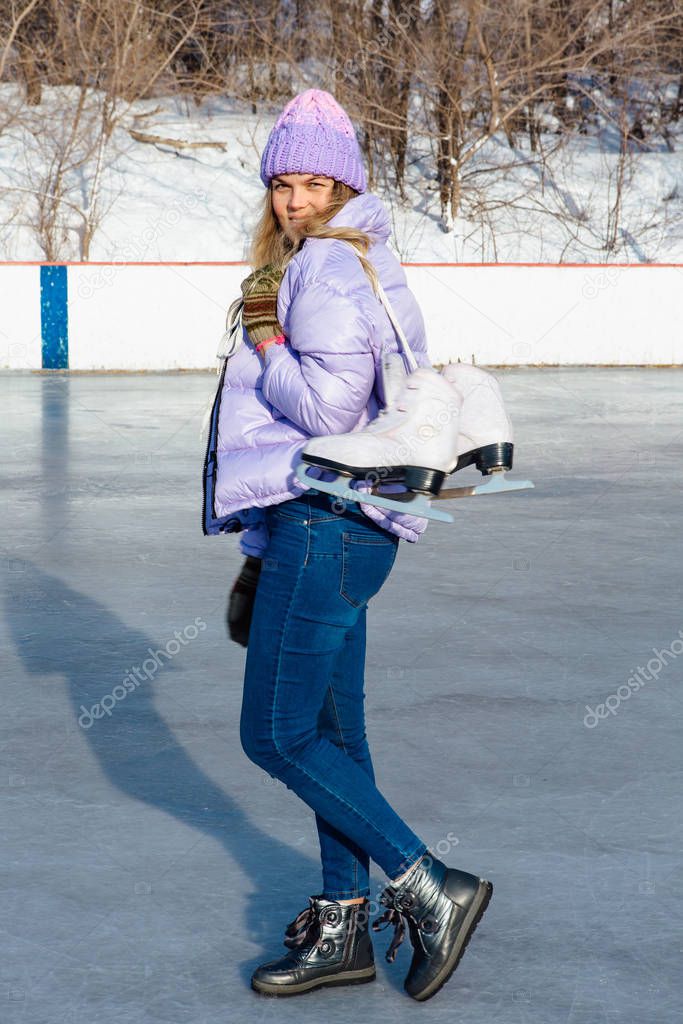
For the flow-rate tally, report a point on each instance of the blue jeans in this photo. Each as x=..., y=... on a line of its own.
x=302, y=712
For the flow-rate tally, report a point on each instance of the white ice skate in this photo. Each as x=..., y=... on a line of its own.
x=437, y=424
x=485, y=436
x=433, y=424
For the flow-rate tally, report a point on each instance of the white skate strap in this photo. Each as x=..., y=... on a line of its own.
x=407, y=350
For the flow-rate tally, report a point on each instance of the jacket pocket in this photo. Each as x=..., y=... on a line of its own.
x=367, y=560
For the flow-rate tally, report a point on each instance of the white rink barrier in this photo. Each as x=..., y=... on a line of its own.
x=171, y=316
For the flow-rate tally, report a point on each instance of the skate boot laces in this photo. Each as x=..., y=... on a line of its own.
x=388, y=410
x=411, y=386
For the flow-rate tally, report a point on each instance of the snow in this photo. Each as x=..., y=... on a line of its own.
x=160, y=203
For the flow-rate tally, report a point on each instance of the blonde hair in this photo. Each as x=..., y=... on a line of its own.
x=271, y=245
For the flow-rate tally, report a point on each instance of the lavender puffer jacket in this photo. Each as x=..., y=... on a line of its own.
x=324, y=380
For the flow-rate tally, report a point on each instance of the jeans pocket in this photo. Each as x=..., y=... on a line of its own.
x=281, y=511
x=367, y=560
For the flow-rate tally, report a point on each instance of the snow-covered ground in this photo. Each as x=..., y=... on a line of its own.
x=160, y=203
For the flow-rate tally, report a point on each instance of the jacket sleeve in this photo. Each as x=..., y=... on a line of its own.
x=254, y=537
x=322, y=379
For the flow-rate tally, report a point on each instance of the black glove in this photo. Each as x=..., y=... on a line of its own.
x=241, y=601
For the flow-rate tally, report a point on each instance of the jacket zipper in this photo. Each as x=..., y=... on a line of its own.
x=210, y=459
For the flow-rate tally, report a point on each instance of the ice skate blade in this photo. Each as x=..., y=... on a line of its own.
x=413, y=504
x=495, y=485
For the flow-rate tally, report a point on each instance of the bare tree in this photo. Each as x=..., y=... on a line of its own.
x=435, y=88
x=111, y=55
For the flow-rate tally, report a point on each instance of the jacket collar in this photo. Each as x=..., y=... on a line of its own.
x=367, y=212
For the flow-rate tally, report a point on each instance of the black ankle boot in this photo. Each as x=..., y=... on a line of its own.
x=330, y=945
x=442, y=907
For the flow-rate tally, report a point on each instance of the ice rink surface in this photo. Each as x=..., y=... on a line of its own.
x=148, y=866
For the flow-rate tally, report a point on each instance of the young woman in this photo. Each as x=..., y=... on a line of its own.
x=309, y=365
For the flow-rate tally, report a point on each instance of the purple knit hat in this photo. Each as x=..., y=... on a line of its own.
x=313, y=135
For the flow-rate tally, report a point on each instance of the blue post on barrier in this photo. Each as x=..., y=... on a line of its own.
x=54, y=318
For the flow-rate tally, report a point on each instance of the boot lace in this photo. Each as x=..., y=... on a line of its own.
x=303, y=930
x=398, y=920
x=401, y=912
